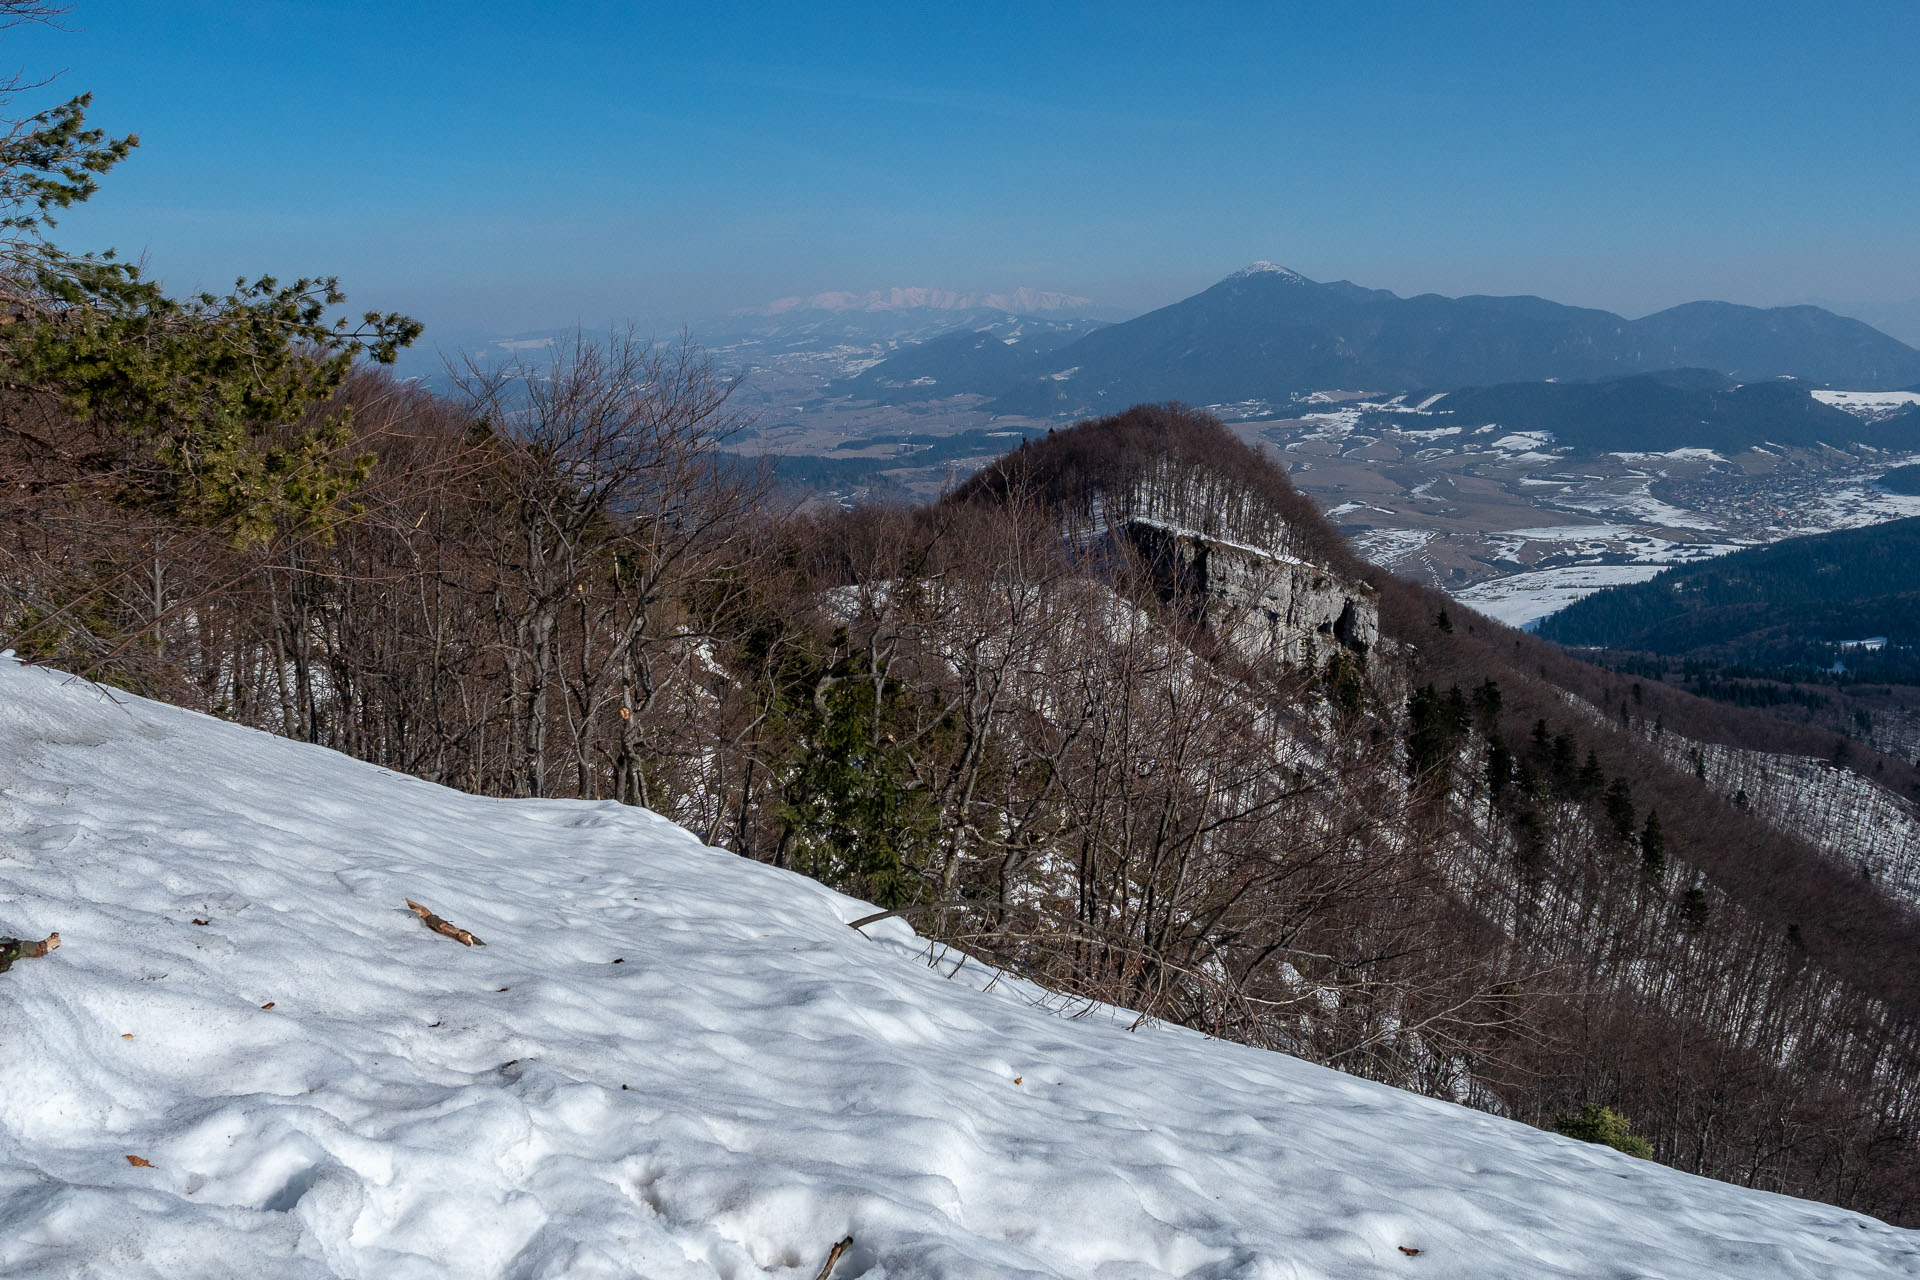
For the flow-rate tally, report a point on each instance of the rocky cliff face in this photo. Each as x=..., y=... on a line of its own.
x=1263, y=604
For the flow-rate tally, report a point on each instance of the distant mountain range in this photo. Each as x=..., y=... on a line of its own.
x=822, y=336
x=1020, y=302
x=1000, y=352
x=1268, y=334
x=838, y=335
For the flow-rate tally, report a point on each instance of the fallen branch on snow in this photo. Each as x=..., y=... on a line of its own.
x=12, y=949
x=834, y=1257
x=444, y=929
x=911, y=909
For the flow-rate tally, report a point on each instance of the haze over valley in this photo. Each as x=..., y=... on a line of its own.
x=1637, y=444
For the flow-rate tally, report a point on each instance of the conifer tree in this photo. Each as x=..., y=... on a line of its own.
x=1653, y=848
x=1565, y=754
x=1693, y=909
x=1499, y=770
x=1592, y=779
x=202, y=407
x=1619, y=806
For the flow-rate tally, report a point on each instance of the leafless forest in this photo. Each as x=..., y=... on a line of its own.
x=1456, y=859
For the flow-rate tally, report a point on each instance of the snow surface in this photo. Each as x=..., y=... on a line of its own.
x=1523, y=599
x=1265, y=268
x=1689, y=454
x=1870, y=405
x=750, y=1082
x=1525, y=446
x=1634, y=498
x=1389, y=547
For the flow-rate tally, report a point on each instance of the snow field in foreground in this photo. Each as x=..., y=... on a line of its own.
x=751, y=1082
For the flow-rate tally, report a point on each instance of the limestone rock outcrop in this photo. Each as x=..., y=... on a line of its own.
x=1265, y=605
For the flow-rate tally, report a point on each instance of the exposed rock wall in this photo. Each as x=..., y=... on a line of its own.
x=1264, y=605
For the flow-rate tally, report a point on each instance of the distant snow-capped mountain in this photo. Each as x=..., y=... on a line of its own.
x=1021, y=301
x=830, y=336
x=1265, y=268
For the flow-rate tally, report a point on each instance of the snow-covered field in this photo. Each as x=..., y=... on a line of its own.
x=669, y=1062
x=1523, y=599
x=1388, y=547
x=1631, y=498
x=1871, y=405
x=1854, y=506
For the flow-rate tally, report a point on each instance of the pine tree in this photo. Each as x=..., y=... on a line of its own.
x=1693, y=909
x=1435, y=724
x=1486, y=706
x=1619, y=805
x=1592, y=779
x=212, y=409
x=1499, y=770
x=1565, y=755
x=1607, y=1127
x=1653, y=848
x=853, y=814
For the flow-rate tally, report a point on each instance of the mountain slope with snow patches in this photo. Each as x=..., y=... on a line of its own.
x=670, y=1062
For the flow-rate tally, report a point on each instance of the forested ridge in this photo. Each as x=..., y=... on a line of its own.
x=1691, y=408
x=1456, y=860
x=1804, y=603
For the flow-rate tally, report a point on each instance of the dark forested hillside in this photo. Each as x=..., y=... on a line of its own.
x=1821, y=631
x=1904, y=480
x=1792, y=602
x=1690, y=408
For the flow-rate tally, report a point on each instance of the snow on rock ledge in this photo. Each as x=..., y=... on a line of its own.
x=752, y=1082
x=1266, y=606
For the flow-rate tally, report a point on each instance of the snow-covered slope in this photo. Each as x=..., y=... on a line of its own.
x=1835, y=810
x=669, y=1062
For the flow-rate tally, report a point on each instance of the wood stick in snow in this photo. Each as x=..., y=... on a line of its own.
x=444, y=929
x=833, y=1257
x=12, y=949
x=908, y=910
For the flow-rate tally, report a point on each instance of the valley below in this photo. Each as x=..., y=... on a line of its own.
x=1509, y=522
x=1553, y=453
x=1517, y=526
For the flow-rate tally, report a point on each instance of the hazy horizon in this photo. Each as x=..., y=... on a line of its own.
x=488, y=168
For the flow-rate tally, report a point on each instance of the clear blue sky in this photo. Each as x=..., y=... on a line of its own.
x=514, y=166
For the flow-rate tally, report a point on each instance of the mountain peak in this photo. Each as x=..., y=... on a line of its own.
x=1265, y=268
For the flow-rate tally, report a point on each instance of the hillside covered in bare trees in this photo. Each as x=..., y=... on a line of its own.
x=1121, y=714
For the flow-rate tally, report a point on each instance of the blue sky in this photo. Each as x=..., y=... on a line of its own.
x=507, y=167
